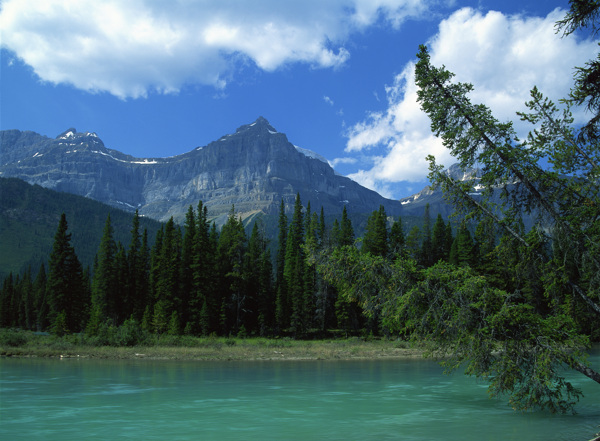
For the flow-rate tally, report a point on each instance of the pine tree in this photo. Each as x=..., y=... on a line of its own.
x=282, y=306
x=397, y=240
x=230, y=261
x=189, y=307
x=260, y=301
x=426, y=255
x=438, y=241
x=294, y=268
x=26, y=304
x=463, y=248
x=105, y=282
x=346, y=230
x=6, y=301
x=138, y=262
x=65, y=288
x=123, y=306
x=413, y=242
x=41, y=306
x=168, y=287
x=375, y=240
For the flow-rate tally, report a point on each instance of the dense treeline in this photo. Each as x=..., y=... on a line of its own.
x=197, y=280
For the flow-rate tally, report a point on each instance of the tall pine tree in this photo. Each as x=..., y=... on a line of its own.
x=65, y=288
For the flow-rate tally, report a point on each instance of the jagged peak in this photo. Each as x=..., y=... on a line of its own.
x=72, y=133
x=69, y=133
x=261, y=123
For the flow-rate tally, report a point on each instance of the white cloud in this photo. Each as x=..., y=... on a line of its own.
x=129, y=48
x=328, y=100
x=502, y=56
x=345, y=160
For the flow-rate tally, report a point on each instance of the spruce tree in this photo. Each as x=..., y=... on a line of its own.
x=41, y=305
x=426, y=257
x=346, y=230
x=294, y=268
x=105, y=281
x=230, y=265
x=375, y=240
x=168, y=282
x=138, y=262
x=438, y=241
x=65, y=288
x=282, y=306
x=397, y=240
x=189, y=306
x=205, y=302
x=6, y=300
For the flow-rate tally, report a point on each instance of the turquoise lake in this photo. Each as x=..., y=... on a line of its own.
x=44, y=399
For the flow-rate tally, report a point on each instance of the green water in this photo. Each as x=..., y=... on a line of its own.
x=318, y=400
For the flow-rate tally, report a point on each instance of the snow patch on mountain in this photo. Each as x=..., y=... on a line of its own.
x=311, y=154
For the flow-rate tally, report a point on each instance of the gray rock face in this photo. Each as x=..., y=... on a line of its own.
x=254, y=169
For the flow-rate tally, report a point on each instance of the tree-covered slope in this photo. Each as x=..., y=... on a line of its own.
x=29, y=215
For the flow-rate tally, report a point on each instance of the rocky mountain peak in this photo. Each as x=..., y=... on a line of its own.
x=261, y=125
x=72, y=138
x=253, y=169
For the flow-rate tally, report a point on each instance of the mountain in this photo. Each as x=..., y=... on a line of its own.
x=29, y=216
x=416, y=203
x=253, y=169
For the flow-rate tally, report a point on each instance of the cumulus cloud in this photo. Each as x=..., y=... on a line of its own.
x=502, y=56
x=328, y=100
x=128, y=48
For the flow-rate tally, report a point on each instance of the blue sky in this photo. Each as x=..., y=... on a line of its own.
x=159, y=78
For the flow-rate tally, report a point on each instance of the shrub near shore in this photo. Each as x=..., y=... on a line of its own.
x=175, y=347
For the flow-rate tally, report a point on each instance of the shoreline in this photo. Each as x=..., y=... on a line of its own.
x=223, y=349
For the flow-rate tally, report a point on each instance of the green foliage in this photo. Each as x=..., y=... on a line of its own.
x=375, y=240
x=517, y=338
x=65, y=288
x=13, y=337
x=497, y=335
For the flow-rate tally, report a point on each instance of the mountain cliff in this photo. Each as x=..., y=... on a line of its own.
x=253, y=169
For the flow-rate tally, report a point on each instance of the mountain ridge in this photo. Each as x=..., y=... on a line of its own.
x=253, y=169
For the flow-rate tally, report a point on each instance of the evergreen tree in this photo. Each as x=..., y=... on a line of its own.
x=123, y=306
x=260, y=301
x=170, y=258
x=346, y=230
x=205, y=301
x=230, y=260
x=189, y=307
x=439, y=249
x=65, y=286
x=41, y=306
x=282, y=307
x=426, y=257
x=7, y=312
x=138, y=262
x=375, y=240
x=294, y=269
x=413, y=243
x=105, y=282
x=485, y=249
x=397, y=240
x=336, y=235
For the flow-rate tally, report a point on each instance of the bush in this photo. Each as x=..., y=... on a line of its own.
x=130, y=333
x=14, y=338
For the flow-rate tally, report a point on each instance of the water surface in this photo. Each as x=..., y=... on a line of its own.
x=330, y=400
